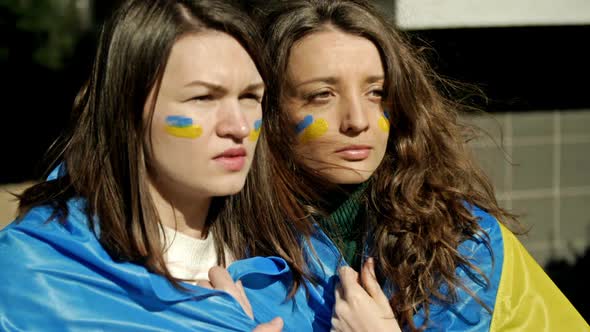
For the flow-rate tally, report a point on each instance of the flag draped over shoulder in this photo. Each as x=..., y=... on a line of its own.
x=517, y=295
x=57, y=277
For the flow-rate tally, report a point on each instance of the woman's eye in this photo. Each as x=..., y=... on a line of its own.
x=378, y=93
x=252, y=96
x=202, y=98
x=320, y=96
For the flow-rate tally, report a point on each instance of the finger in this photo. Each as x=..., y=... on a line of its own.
x=341, y=314
x=339, y=325
x=204, y=283
x=335, y=324
x=348, y=280
x=339, y=294
x=340, y=305
x=371, y=285
x=245, y=302
x=221, y=280
x=274, y=325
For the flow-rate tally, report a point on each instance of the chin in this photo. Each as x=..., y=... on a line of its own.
x=347, y=176
x=228, y=186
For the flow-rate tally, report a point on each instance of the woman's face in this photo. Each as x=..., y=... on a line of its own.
x=334, y=98
x=207, y=117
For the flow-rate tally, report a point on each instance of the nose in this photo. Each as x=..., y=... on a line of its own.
x=354, y=117
x=232, y=122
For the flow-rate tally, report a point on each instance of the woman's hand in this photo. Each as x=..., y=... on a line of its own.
x=220, y=279
x=275, y=325
x=362, y=306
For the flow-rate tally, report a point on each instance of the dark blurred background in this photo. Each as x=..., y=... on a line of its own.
x=46, y=49
x=529, y=58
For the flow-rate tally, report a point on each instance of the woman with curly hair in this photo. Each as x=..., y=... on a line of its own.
x=385, y=172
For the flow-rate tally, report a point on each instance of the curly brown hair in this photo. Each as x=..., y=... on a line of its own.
x=418, y=199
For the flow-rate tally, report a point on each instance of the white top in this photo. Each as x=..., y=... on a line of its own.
x=188, y=257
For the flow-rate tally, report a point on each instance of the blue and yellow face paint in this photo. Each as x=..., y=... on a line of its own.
x=310, y=129
x=182, y=126
x=384, y=121
x=256, y=132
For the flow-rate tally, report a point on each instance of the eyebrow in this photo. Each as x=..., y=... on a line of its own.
x=374, y=78
x=255, y=86
x=222, y=89
x=334, y=80
x=329, y=80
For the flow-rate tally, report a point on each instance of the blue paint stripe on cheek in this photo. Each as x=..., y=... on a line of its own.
x=179, y=121
x=386, y=114
x=306, y=122
x=257, y=124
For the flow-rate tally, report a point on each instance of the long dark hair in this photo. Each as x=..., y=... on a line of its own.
x=416, y=200
x=104, y=156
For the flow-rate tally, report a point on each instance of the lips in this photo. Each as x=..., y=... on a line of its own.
x=232, y=159
x=354, y=152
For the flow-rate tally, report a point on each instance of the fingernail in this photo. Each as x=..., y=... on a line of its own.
x=371, y=262
x=342, y=270
x=277, y=321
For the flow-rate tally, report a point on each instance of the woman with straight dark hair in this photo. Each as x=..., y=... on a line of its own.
x=129, y=229
x=385, y=172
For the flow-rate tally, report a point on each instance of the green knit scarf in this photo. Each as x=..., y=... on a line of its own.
x=344, y=227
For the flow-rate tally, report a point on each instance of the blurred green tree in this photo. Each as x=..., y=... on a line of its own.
x=55, y=26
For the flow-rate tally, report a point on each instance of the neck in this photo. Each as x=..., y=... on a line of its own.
x=346, y=223
x=347, y=207
x=341, y=193
x=180, y=211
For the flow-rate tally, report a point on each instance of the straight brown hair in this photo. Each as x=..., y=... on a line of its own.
x=104, y=157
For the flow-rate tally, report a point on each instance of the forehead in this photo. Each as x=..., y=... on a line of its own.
x=212, y=55
x=332, y=50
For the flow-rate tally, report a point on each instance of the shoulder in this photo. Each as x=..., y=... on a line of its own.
x=33, y=227
x=518, y=292
x=485, y=249
x=490, y=227
x=36, y=260
x=42, y=223
x=34, y=244
x=476, y=297
x=40, y=237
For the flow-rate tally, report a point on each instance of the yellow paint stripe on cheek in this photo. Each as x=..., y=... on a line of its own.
x=185, y=132
x=315, y=130
x=384, y=124
x=254, y=134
